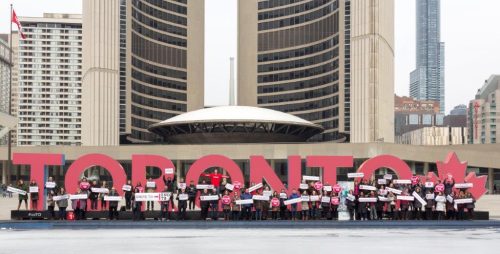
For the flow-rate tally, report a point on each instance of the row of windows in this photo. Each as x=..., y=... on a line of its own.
x=158, y=53
x=168, y=6
x=299, y=96
x=329, y=113
x=146, y=136
x=299, y=74
x=299, y=19
x=158, y=81
x=292, y=9
x=299, y=35
x=159, y=104
x=300, y=84
x=158, y=25
x=276, y=3
x=307, y=105
x=326, y=136
x=158, y=36
x=299, y=52
x=138, y=111
x=300, y=62
x=158, y=13
x=139, y=123
x=158, y=92
x=158, y=70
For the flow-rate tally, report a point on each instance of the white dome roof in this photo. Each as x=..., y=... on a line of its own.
x=235, y=114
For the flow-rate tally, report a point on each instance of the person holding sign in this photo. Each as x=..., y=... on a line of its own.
x=182, y=199
x=246, y=212
x=314, y=205
x=258, y=206
x=417, y=206
x=79, y=206
x=326, y=206
x=450, y=206
x=429, y=207
x=165, y=205
x=191, y=191
x=294, y=206
x=22, y=186
x=101, y=196
x=235, y=208
x=128, y=195
x=350, y=202
x=283, y=207
x=266, y=204
x=404, y=205
x=275, y=205
x=440, y=205
x=33, y=194
x=305, y=205
x=461, y=207
x=214, y=205
x=205, y=205
x=362, y=208
x=150, y=188
x=62, y=204
x=335, y=201
x=226, y=205
x=113, y=205
x=93, y=196
x=137, y=210
x=448, y=185
x=470, y=206
x=170, y=182
x=51, y=203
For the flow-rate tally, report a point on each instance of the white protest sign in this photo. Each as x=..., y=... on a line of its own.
x=293, y=201
x=429, y=196
x=181, y=185
x=50, y=185
x=367, y=187
x=304, y=186
x=204, y=187
x=401, y=181
x=355, y=175
x=209, y=198
x=383, y=192
x=78, y=196
x=327, y=188
x=440, y=199
x=59, y=198
x=310, y=178
x=388, y=176
x=351, y=197
x=325, y=199
x=16, y=190
x=406, y=198
x=463, y=185
x=382, y=181
x=150, y=184
x=112, y=198
x=305, y=198
x=463, y=201
x=164, y=196
x=127, y=187
x=267, y=193
x=449, y=198
x=255, y=187
x=260, y=197
x=147, y=197
x=169, y=171
x=314, y=198
x=99, y=190
x=229, y=187
x=383, y=199
x=244, y=202
x=429, y=185
x=367, y=200
x=283, y=195
x=419, y=199
x=183, y=197
x=395, y=191
x=33, y=189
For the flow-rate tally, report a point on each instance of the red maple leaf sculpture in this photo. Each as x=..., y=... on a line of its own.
x=452, y=166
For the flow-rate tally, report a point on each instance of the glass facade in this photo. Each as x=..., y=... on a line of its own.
x=159, y=62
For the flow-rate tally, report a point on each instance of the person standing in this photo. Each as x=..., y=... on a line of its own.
x=429, y=207
x=305, y=206
x=34, y=195
x=236, y=209
x=137, y=210
x=150, y=188
x=283, y=207
x=22, y=186
x=215, y=178
x=417, y=206
x=79, y=206
x=470, y=206
x=191, y=191
x=182, y=204
x=266, y=204
x=51, y=203
x=275, y=205
x=101, y=196
x=93, y=196
x=293, y=207
x=205, y=205
x=440, y=205
x=62, y=204
x=351, y=205
x=246, y=208
x=165, y=205
x=226, y=205
x=258, y=207
x=128, y=196
x=113, y=205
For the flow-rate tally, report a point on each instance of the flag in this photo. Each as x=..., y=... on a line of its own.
x=15, y=20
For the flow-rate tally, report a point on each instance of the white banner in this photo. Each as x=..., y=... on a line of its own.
x=229, y=187
x=395, y=191
x=183, y=197
x=430, y=196
x=169, y=171
x=407, y=198
x=16, y=190
x=463, y=185
x=383, y=199
x=150, y=184
x=325, y=199
x=147, y=196
x=78, y=196
x=401, y=181
x=267, y=193
x=181, y=186
x=351, y=197
x=355, y=175
x=255, y=187
x=310, y=178
x=112, y=198
x=164, y=196
x=304, y=198
x=50, y=185
x=260, y=197
x=293, y=201
x=314, y=198
x=283, y=195
x=383, y=192
x=440, y=199
x=327, y=188
x=419, y=198
x=33, y=189
x=382, y=181
x=367, y=200
x=204, y=186
x=99, y=190
x=449, y=198
x=244, y=202
x=388, y=176
x=59, y=198
x=304, y=186
x=429, y=185
x=209, y=198
x=127, y=187
x=463, y=201
x=367, y=187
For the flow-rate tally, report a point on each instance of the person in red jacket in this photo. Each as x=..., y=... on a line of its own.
x=215, y=178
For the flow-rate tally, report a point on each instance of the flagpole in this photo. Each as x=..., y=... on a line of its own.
x=9, y=138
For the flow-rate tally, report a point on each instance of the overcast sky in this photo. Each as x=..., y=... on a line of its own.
x=469, y=29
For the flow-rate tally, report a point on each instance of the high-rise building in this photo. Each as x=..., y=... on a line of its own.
x=327, y=61
x=123, y=68
x=427, y=80
x=165, y=59
x=15, y=82
x=101, y=73
x=49, y=80
x=483, y=116
x=5, y=65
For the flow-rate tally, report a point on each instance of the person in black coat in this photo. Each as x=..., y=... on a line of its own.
x=128, y=196
x=113, y=205
x=182, y=204
x=191, y=191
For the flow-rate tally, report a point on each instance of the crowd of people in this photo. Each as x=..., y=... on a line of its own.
x=367, y=200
